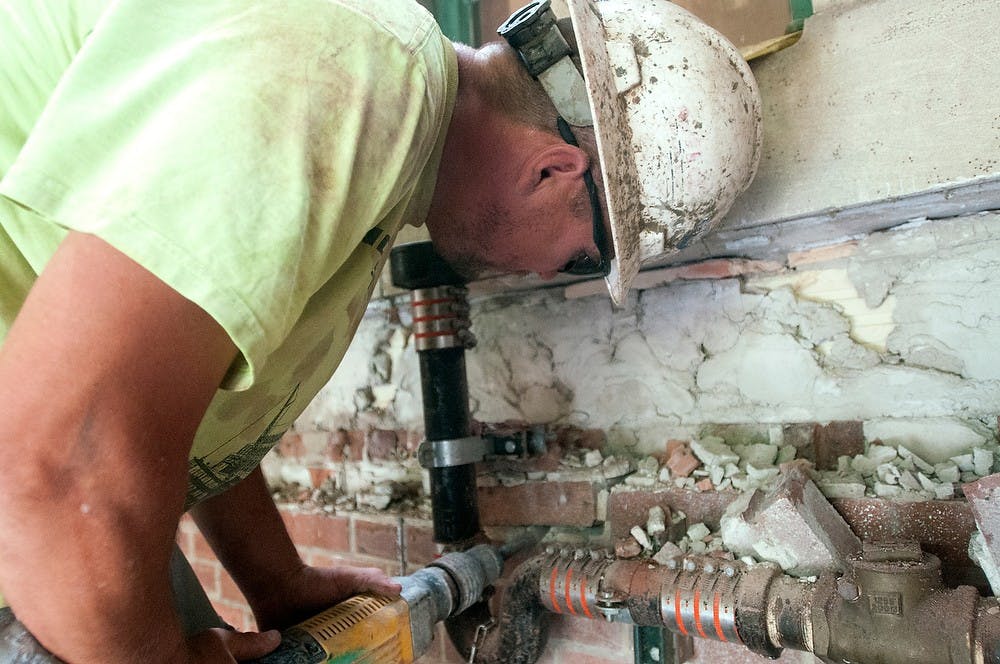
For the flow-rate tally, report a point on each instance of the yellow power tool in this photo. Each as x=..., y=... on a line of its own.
x=370, y=629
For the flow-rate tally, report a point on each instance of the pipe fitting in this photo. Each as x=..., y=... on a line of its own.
x=890, y=594
x=515, y=631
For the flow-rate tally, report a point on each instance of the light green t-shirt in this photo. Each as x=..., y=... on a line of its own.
x=258, y=157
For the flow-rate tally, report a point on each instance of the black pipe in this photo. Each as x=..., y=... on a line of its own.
x=441, y=341
x=446, y=417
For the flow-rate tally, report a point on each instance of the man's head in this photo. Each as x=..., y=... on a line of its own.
x=512, y=192
x=665, y=115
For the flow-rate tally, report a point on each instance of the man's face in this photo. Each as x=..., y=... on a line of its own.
x=538, y=234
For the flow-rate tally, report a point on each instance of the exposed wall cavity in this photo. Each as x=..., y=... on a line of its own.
x=897, y=329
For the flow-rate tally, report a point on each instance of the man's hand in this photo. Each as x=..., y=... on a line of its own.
x=279, y=587
x=222, y=646
x=313, y=589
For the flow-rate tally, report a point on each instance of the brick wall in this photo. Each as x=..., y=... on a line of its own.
x=589, y=504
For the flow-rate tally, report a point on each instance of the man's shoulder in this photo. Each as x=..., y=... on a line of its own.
x=406, y=20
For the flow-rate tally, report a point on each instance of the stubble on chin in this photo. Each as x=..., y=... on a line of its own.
x=471, y=251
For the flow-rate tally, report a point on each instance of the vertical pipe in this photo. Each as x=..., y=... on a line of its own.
x=440, y=320
x=446, y=417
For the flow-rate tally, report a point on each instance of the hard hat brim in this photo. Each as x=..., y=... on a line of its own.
x=613, y=137
x=677, y=121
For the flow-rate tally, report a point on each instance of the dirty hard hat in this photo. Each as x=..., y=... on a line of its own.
x=674, y=108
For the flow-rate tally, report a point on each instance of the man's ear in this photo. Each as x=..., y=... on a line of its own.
x=556, y=163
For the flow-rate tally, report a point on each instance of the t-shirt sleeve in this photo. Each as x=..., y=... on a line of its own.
x=239, y=151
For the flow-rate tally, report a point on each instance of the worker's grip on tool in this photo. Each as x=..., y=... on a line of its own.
x=381, y=630
x=366, y=628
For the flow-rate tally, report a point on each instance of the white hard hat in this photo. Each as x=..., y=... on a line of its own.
x=675, y=110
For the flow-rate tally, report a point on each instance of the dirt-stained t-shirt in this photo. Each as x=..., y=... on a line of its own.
x=258, y=157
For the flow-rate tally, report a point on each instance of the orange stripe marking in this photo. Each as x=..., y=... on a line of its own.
x=569, y=601
x=583, y=599
x=677, y=613
x=697, y=614
x=552, y=590
x=715, y=618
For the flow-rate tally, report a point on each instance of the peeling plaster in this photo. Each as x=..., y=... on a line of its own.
x=868, y=326
x=902, y=326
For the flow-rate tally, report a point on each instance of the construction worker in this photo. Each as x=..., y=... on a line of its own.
x=197, y=199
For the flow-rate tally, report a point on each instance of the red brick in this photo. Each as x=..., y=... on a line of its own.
x=682, y=462
x=411, y=441
x=376, y=538
x=228, y=590
x=836, y=439
x=290, y=446
x=236, y=615
x=982, y=497
x=627, y=547
x=822, y=254
x=208, y=576
x=672, y=446
x=420, y=546
x=320, y=558
x=319, y=476
x=506, y=428
x=322, y=530
x=382, y=444
x=569, y=437
x=631, y=508
x=794, y=510
x=539, y=504
x=200, y=550
x=716, y=268
x=355, y=447
x=336, y=445
x=942, y=527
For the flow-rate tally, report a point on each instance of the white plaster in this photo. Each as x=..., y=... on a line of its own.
x=766, y=369
x=935, y=440
x=698, y=531
x=296, y=475
x=641, y=537
x=656, y=521
x=868, y=326
x=737, y=350
x=384, y=395
x=759, y=455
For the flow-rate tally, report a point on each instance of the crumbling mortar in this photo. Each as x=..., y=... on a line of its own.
x=938, y=371
x=511, y=390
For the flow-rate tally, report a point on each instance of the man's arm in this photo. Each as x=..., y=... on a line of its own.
x=104, y=378
x=279, y=587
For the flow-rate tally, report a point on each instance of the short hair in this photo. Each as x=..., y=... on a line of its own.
x=510, y=90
